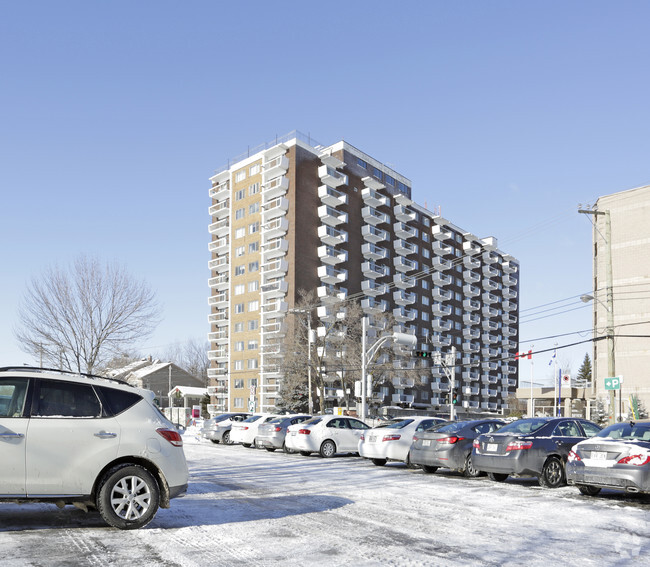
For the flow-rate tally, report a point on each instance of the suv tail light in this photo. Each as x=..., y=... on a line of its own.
x=304, y=431
x=638, y=460
x=173, y=436
x=450, y=440
x=573, y=456
x=519, y=445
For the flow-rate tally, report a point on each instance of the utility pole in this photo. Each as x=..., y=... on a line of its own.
x=611, y=365
x=309, y=342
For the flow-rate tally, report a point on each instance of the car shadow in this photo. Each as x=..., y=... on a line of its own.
x=184, y=512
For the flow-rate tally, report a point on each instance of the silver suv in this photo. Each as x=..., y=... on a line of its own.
x=79, y=439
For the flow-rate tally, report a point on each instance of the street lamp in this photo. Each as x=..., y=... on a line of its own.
x=367, y=354
x=309, y=341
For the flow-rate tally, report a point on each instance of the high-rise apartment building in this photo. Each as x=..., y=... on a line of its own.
x=294, y=215
x=628, y=306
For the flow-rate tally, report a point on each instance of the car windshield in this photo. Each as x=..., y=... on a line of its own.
x=638, y=431
x=398, y=424
x=450, y=427
x=252, y=418
x=313, y=421
x=221, y=417
x=278, y=419
x=523, y=426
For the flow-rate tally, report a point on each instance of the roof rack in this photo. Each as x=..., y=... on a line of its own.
x=60, y=371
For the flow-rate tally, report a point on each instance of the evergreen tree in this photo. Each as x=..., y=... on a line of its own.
x=584, y=373
x=601, y=416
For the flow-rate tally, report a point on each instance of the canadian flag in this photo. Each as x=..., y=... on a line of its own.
x=528, y=354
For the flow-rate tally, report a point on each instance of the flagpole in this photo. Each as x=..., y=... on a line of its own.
x=532, y=400
x=555, y=382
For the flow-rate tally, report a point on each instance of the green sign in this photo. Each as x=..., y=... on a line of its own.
x=613, y=383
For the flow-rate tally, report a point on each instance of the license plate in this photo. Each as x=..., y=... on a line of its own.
x=293, y=433
x=426, y=442
x=599, y=455
x=492, y=447
x=372, y=439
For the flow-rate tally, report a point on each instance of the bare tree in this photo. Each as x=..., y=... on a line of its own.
x=79, y=317
x=191, y=356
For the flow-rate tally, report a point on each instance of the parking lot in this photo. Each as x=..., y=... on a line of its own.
x=252, y=507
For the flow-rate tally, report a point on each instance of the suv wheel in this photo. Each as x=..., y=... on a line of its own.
x=128, y=497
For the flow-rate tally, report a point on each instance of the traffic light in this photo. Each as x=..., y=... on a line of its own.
x=454, y=397
x=422, y=354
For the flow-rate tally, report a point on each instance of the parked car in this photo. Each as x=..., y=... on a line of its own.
x=271, y=435
x=245, y=432
x=617, y=458
x=326, y=435
x=536, y=446
x=217, y=429
x=450, y=445
x=392, y=441
x=87, y=441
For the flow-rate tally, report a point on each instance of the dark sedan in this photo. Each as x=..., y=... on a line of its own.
x=537, y=446
x=617, y=458
x=450, y=445
x=271, y=434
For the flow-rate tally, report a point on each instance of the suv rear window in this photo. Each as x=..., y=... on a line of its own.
x=56, y=398
x=116, y=400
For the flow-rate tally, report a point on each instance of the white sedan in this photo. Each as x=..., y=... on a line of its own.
x=326, y=435
x=393, y=441
x=245, y=431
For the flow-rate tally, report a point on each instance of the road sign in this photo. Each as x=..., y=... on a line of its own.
x=251, y=405
x=613, y=383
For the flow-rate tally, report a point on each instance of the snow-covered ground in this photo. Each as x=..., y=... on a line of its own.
x=252, y=507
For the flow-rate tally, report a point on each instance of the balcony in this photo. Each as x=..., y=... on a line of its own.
x=471, y=319
x=471, y=333
x=509, y=318
x=374, y=217
x=402, y=383
x=220, y=245
x=274, y=329
x=219, y=300
x=220, y=209
x=509, y=369
x=403, y=213
x=369, y=250
x=330, y=275
x=402, y=297
x=332, y=236
x=220, y=318
x=471, y=263
x=219, y=354
x=489, y=352
x=276, y=167
x=220, y=337
x=276, y=227
x=470, y=390
x=402, y=399
x=439, y=340
x=330, y=216
x=275, y=269
x=403, y=281
x=274, y=310
x=374, y=306
x=371, y=287
x=471, y=277
x=220, y=264
x=220, y=191
x=471, y=304
x=373, y=198
x=508, y=344
x=440, y=310
x=373, y=234
x=331, y=256
x=218, y=372
x=372, y=270
x=489, y=392
x=471, y=360
x=439, y=386
x=490, y=285
x=470, y=404
x=277, y=288
x=439, y=294
x=471, y=290
x=404, y=264
x=330, y=313
x=509, y=280
x=404, y=248
x=509, y=267
x=331, y=176
x=441, y=249
x=219, y=282
x=402, y=230
x=441, y=264
x=331, y=196
x=471, y=248
x=489, y=311
x=490, y=325
x=490, y=257
x=275, y=188
x=220, y=228
x=331, y=294
x=275, y=208
x=372, y=183
x=508, y=331
x=439, y=232
x=275, y=248
x=489, y=298
x=470, y=347
x=438, y=278
x=489, y=366
x=509, y=306
x=509, y=293
x=402, y=314
x=441, y=325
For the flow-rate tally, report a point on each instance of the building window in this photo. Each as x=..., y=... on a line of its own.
x=252, y=382
x=253, y=227
x=425, y=395
x=362, y=163
x=238, y=383
x=240, y=175
x=239, y=307
x=238, y=403
x=254, y=188
x=425, y=236
x=377, y=173
x=254, y=208
x=252, y=363
x=425, y=284
x=390, y=180
x=254, y=246
x=240, y=251
x=253, y=305
x=239, y=195
x=240, y=270
x=425, y=252
x=253, y=324
x=253, y=266
x=253, y=345
x=239, y=213
x=239, y=327
x=254, y=169
x=254, y=285
x=239, y=289
x=238, y=365
x=425, y=300
x=240, y=232
x=425, y=316
x=426, y=221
